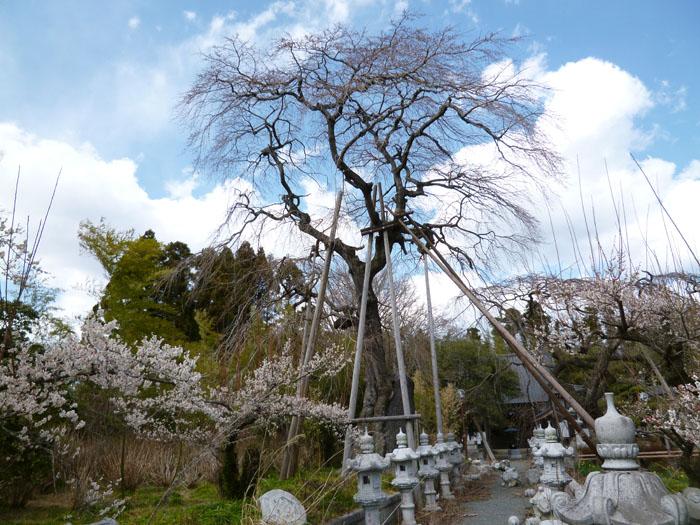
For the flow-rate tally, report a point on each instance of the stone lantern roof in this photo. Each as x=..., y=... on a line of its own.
x=402, y=453
x=368, y=459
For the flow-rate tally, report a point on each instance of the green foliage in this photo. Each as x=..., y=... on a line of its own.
x=235, y=285
x=22, y=469
x=471, y=364
x=586, y=467
x=148, y=288
x=197, y=506
x=105, y=243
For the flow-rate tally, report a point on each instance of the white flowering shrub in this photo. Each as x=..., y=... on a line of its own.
x=680, y=416
x=155, y=388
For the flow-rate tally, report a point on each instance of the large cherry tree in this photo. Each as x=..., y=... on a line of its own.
x=449, y=127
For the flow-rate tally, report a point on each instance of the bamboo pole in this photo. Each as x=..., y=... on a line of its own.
x=512, y=342
x=433, y=353
x=352, y=407
x=397, y=329
x=290, y=450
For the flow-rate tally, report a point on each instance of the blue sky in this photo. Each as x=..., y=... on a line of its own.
x=59, y=58
x=91, y=86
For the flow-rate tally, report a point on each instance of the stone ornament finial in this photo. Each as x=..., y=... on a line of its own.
x=366, y=443
x=401, y=439
x=616, y=435
x=550, y=434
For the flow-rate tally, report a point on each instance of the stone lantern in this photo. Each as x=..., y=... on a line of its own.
x=535, y=442
x=369, y=467
x=455, y=456
x=553, y=455
x=404, y=478
x=428, y=473
x=444, y=466
x=622, y=493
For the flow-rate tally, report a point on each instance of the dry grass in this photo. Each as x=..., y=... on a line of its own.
x=141, y=462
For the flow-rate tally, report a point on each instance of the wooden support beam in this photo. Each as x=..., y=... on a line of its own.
x=359, y=345
x=543, y=376
x=376, y=419
x=290, y=451
x=405, y=401
x=433, y=352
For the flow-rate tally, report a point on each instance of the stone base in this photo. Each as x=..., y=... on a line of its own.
x=623, y=498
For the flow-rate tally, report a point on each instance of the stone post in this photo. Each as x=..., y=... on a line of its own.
x=428, y=473
x=443, y=466
x=404, y=478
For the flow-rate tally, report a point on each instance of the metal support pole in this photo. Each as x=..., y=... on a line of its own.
x=359, y=345
x=303, y=384
x=513, y=343
x=433, y=352
x=397, y=329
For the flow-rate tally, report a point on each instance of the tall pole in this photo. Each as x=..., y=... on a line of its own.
x=397, y=329
x=433, y=353
x=359, y=345
x=303, y=384
x=541, y=374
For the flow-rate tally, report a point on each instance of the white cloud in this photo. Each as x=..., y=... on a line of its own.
x=129, y=100
x=598, y=108
x=400, y=6
x=190, y=16
x=90, y=188
x=691, y=172
x=672, y=97
x=134, y=22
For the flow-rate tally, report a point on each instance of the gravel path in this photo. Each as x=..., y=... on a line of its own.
x=503, y=503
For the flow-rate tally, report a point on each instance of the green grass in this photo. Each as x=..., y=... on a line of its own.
x=586, y=467
x=323, y=492
x=674, y=478
x=197, y=506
